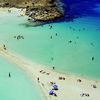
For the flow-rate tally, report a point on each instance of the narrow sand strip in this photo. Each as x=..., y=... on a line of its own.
x=69, y=89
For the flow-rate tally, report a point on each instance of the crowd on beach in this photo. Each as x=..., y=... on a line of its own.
x=52, y=92
x=55, y=86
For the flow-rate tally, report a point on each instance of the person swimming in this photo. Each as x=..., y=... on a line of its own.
x=92, y=58
x=52, y=58
x=70, y=41
x=50, y=26
x=50, y=37
x=56, y=34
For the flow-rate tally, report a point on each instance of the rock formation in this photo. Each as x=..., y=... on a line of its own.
x=39, y=10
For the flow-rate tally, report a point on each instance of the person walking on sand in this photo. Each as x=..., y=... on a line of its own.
x=53, y=68
x=38, y=79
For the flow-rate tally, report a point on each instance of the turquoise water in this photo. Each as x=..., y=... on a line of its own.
x=74, y=57
x=18, y=87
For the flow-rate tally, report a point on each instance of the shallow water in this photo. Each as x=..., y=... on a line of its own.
x=19, y=86
x=71, y=51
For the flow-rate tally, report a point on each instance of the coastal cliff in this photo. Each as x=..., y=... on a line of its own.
x=39, y=10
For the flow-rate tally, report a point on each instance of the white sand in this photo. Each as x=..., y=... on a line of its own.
x=69, y=89
x=20, y=11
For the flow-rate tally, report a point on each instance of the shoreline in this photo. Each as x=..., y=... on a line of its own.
x=22, y=13
x=33, y=79
x=9, y=10
x=69, y=86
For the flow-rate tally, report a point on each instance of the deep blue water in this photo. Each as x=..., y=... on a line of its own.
x=79, y=8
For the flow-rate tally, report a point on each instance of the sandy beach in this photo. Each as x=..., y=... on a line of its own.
x=69, y=88
x=20, y=11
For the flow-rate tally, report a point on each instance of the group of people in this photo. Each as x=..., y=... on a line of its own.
x=62, y=78
x=19, y=37
x=44, y=72
x=78, y=29
x=85, y=94
x=4, y=47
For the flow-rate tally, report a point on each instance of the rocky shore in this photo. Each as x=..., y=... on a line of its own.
x=39, y=10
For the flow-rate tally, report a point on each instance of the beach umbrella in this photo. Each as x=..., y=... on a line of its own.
x=51, y=92
x=55, y=86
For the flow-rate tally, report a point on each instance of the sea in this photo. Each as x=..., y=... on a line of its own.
x=72, y=47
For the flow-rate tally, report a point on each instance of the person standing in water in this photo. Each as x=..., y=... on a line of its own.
x=4, y=47
x=9, y=74
x=53, y=68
